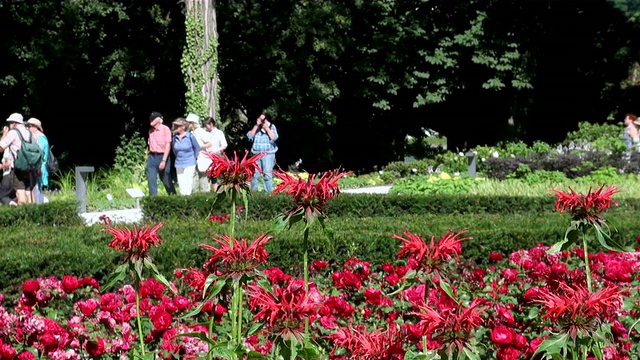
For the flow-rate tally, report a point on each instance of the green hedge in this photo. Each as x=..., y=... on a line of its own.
x=263, y=207
x=58, y=213
x=83, y=251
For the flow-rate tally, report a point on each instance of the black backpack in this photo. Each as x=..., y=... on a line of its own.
x=52, y=163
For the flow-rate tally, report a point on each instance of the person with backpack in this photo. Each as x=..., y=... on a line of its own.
x=35, y=127
x=27, y=157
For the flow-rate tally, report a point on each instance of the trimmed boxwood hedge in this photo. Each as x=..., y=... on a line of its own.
x=263, y=207
x=58, y=213
x=34, y=251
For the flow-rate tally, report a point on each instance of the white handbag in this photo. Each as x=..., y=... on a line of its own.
x=203, y=161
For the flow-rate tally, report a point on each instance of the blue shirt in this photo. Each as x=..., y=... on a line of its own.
x=185, y=150
x=44, y=145
x=262, y=143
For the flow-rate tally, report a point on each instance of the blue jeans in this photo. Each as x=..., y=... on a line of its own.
x=38, y=194
x=266, y=164
x=153, y=170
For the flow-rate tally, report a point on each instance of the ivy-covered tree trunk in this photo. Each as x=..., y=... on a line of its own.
x=200, y=58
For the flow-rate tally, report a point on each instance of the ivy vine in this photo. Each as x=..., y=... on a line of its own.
x=196, y=60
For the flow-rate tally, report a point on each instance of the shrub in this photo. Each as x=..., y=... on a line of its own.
x=433, y=184
x=82, y=251
x=262, y=207
x=58, y=213
x=573, y=165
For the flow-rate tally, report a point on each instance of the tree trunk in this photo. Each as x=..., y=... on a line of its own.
x=200, y=58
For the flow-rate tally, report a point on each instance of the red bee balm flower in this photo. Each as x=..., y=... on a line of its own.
x=430, y=256
x=451, y=326
x=371, y=344
x=233, y=173
x=135, y=242
x=586, y=207
x=309, y=195
x=577, y=309
x=284, y=310
x=241, y=259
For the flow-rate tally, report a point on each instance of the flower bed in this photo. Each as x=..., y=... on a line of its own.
x=519, y=302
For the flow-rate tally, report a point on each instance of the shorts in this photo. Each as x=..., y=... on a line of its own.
x=23, y=180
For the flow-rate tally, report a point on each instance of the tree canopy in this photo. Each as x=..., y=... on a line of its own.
x=344, y=81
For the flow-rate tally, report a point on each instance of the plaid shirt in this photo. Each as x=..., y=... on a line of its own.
x=262, y=143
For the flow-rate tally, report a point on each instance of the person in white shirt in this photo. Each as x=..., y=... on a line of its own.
x=201, y=182
x=218, y=140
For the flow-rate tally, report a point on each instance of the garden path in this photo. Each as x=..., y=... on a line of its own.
x=135, y=215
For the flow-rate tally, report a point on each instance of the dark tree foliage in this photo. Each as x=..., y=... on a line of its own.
x=90, y=70
x=344, y=81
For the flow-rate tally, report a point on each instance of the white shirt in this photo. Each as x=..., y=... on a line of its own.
x=218, y=139
x=202, y=136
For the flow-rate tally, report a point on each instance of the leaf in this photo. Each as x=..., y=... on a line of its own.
x=309, y=352
x=533, y=313
x=288, y=349
x=254, y=328
x=280, y=224
x=119, y=274
x=633, y=326
x=570, y=237
x=245, y=201
x=600, y=235
x=138, y=267
x=210, y=280
x=195, y=311
x=552, y=345
x=222, y=350
x=472, y=354
x=447, y=289
x=254, y=355
x=328, y=232
x=597, y=352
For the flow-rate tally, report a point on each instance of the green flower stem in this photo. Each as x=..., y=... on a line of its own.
x=306, y=274
x=586, y=261
x=238, y=291
x=236, y=299
x=426, y=302
x=232, y=220
x=138, y=318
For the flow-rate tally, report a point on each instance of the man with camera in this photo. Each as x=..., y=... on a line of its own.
x=264, y=135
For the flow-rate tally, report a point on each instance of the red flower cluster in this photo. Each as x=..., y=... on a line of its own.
x=451, y=326
x=309, y=195
x=586, y=207
x=219, y=218
x=285, y=310
x=233, y=173
x=135, y=242
x=430, y=256
x=237, y=258
x=370, y=344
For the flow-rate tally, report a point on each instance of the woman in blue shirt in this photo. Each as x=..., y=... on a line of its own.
x=185, y=150
x=35, y=126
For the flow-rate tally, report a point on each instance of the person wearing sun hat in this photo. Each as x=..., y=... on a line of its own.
x=159, y=159
x=23, y=181
x=201, y=182
x=35, y=126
